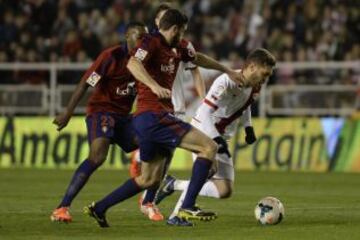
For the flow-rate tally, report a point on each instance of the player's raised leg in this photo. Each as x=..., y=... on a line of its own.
x=147, y=205
x=216, y=188
x=150, y=176
x=98, y=152
x=144, y=197
x=107, y=111
x=147, y=200
x=219, y=186
x=135, y=164
x=212, y=188
x=206, y=149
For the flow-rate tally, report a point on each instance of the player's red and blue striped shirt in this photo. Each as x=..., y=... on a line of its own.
x=114, y=89
x=161, y=61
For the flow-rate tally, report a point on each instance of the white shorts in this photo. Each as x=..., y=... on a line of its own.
x=225, y=167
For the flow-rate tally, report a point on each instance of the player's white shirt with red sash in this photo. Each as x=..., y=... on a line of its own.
x=223, y=107
x=178, y=94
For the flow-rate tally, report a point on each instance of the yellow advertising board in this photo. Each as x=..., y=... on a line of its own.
x=289, y=144
x=285, y=144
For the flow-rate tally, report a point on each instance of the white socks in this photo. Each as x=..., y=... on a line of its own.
x=208, y=190
x=181, y=185
x=178, y=204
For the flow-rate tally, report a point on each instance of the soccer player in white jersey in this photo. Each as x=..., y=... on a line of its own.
x=224, y=106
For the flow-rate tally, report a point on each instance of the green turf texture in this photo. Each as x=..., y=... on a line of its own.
x=317, y=206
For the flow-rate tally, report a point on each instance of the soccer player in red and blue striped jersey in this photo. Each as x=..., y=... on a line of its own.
x=108, y=117
x=154, y=64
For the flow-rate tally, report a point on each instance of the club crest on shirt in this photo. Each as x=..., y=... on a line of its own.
x=104, y=129
x=93, y=79
x=141, y=54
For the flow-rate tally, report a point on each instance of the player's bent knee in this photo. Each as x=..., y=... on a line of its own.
x=225, y=188
x=210, y=150
x=152, y=182
x=147, y=181
x=97, y=161
x=213, y=147
x=142, y=181
x=97, y=157
x=225, y=193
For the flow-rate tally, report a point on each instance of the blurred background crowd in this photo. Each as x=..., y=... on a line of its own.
x=77, y=30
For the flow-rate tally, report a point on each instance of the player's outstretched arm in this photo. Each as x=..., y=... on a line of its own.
x=138, y=70
x=198, y=82
x=205, y=61
x=62, y=119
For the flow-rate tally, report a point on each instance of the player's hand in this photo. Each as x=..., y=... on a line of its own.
x=250, y=137
x=236, y=77
x=62, y=120
x=223, y=147
x=161, y=92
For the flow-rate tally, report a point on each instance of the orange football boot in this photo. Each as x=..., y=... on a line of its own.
x=152, y=211
x=61, y=215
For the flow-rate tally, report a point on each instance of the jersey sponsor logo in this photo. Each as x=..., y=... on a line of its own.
x=141, y=54
x=93, y=79
x=168, y=68
x=128, y=91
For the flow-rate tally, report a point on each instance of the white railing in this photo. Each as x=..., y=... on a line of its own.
x=64, y=92
x=53, y=69
x=267, y=107
x=24, y=99
x=312, y=100
x=54, y=96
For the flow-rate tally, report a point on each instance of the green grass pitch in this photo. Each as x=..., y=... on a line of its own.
x=317, y=206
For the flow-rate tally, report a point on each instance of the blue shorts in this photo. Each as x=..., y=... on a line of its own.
x=158, y=133
x=116, y=127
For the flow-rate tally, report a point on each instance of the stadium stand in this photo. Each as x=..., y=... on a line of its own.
x=68, y=31
x=76, y=30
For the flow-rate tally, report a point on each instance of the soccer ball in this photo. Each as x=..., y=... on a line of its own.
x=269, y=211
